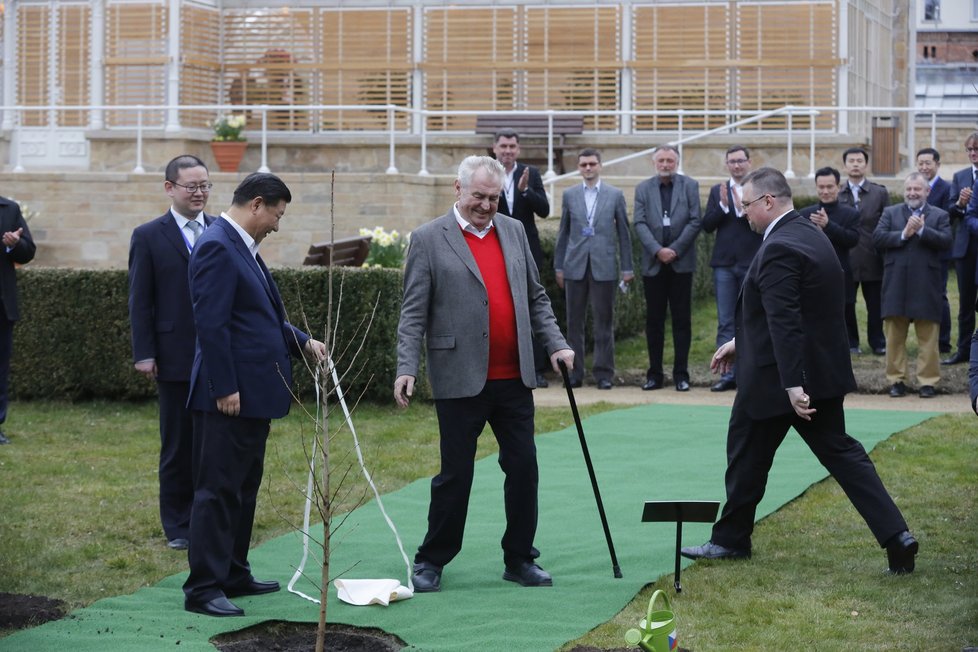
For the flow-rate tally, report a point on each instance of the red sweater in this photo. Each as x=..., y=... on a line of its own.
x=504, y=355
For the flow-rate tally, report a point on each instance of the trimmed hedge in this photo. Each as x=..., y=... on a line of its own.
x=73, y=339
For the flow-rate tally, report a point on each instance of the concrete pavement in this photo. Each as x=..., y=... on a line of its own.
x=556, y=396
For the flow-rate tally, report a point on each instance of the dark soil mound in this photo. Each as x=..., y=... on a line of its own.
x=279, y=636
x=22, y=611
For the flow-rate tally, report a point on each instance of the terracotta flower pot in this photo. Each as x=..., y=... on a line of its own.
x=228, y=154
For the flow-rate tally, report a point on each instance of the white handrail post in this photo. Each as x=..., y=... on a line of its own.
x=264, y=139
x=17, y=166
x=679, y=140
x=811, y=143
x=550, y=174
x=423, y=172
x=391, y=168
x=139, y=169
x=933, y=129
x=788, y=172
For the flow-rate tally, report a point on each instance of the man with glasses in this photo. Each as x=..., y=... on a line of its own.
x=593, y=228
x=163, y=334
x=733, y=249
x=964, y=251
x=793, y=371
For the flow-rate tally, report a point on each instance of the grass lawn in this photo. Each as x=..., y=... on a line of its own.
x=79, y=522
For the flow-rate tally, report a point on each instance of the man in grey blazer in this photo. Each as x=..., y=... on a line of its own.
x=912, y=237
x=667, y=221
x=593, y=228
x=472, y=296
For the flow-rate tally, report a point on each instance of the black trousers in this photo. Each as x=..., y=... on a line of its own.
x=507, y=406
x=967, y=293
x=229, y=456
x=751, y=445
x=667, y=288
x=6, y=350
x=872, y=295
x=176, y=459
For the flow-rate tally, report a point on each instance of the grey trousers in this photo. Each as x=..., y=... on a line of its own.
x=601, y=297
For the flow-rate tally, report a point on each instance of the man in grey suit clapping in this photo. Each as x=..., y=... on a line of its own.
x=593, y=235
x=472, y=296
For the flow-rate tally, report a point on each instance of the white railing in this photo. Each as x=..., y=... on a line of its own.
x=417, y=119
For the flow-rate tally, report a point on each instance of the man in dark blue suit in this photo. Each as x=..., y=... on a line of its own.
x=964, y=249
x=163, y=332
x=929, y=165
x=241, y=379
x=18, y=247
x=793, y=371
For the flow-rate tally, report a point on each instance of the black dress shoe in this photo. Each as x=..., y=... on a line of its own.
x=217, y=607
x=3, y=438
x=254, y=587
x=426, y=578
x=541, y=381
x=710, y=550
x=723, y=385
x=682, y=386
x=855, y=350
x=575, y=384
x=178, y=544
x=604, y=383
x=897, y=390
x=651, y=384
x=528, y=574
x=927, y=391
x=879, y=350
x=900, y=553
x=957, y=358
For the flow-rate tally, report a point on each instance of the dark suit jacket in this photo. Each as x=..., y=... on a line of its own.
x=12, y=219
x=791, y=328
x=684, y=215
x=842, y=229
x=940, y=196
x=534, y=201
x=913, y=282
x=243, y=339
x=867, y=264
x=735, y=244
x=963, y=236
x=160, y=312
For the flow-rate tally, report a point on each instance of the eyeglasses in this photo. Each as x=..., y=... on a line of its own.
x=192, y=188
x=971, y=149
x=745, y=204
x=737, y=161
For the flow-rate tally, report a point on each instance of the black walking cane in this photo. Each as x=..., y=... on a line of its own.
x=590, y=468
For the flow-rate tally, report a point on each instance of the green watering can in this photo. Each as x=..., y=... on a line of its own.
x=657, y=632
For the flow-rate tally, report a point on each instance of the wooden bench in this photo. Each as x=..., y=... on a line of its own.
x=348, y=252
x=535, y=127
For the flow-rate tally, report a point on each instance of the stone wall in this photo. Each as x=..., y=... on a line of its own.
x=85, y=218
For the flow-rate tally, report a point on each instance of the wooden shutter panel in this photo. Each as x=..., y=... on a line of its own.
x=200, y=62
x=366, y=59
x=135, y=61
x=471, y=62
x=33, y=32
x=269, y=59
